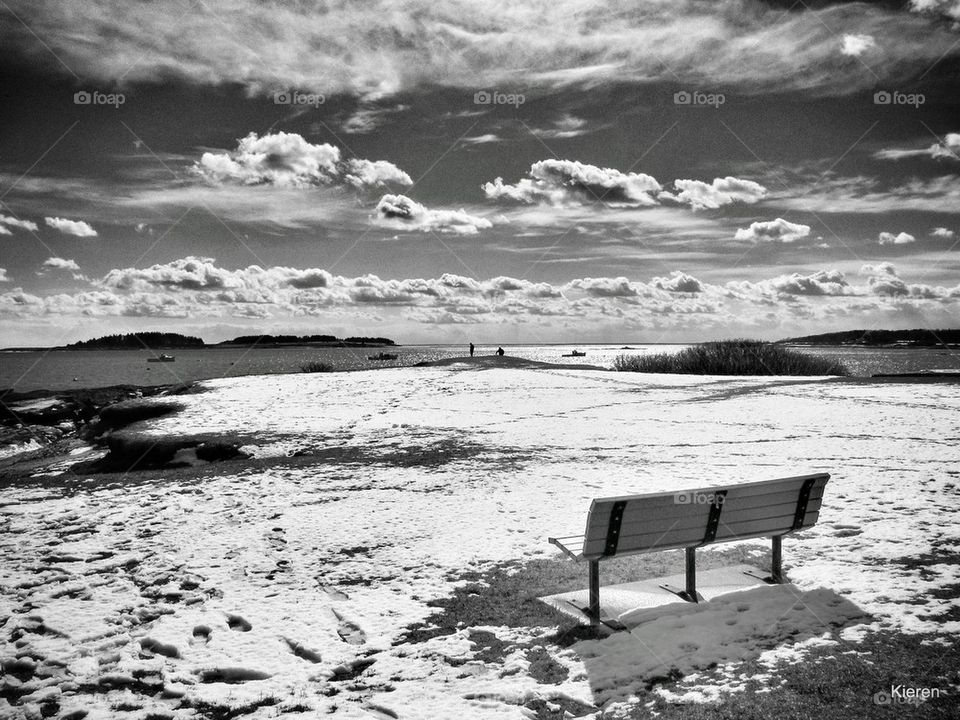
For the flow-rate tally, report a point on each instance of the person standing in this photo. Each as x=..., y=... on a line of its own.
x=500, y=351
x=471, y=349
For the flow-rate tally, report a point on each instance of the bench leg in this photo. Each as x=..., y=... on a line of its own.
x=691, y=589
x=776, y=565
x=594, y=609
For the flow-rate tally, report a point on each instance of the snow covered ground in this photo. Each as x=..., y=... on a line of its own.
x=284, y=585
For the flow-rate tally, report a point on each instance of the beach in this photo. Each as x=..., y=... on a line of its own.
x=326, y=570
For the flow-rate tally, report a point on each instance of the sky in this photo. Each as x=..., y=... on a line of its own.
x=445, y=171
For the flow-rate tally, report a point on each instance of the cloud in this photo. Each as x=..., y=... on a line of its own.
x=481, y=139
x=678, y=282
x=948, y=8
x=885, y=280
x=561, y=182
x=3, y=275
x=56, y=263
x=203, y=292
x=71, y=227
x=856, y=45
x=773, y=230
x=861, y=194
x=722, y=191
x=618, y=287
x=372, y=49
x=900, y=239
x=287, y=160
x=567, y=126
x=948, y=148
x=374, y=173
x=399, y=211
x=824, y=282
x=6, y=220
x=941, y=232
x=368, y=119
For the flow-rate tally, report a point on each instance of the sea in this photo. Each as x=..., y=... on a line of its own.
x=61, y=369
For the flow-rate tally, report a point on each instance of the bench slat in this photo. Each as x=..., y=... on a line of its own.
x=638, y=511
x=759, y=487
x=692, y=536
x=729, y=514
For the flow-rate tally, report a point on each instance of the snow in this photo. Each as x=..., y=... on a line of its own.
x=289, y=580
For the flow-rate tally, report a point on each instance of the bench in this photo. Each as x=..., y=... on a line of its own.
x=634, y=524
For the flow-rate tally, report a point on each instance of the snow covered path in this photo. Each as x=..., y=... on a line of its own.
x=283, y=585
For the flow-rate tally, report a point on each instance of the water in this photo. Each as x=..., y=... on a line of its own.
x=56, y=370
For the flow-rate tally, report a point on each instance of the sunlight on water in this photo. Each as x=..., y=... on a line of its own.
x=65, y=369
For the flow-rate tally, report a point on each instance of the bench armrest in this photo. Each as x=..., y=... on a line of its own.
x=572, y=545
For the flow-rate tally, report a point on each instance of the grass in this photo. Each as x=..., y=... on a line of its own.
x=851, y=680
x=732, y=357
x=316, y=367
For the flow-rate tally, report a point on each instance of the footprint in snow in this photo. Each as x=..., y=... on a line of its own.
x=302, y=651
x=349, y=632
x=202, y=633
x=333, y=593
x=380, y=712
x=235, y=622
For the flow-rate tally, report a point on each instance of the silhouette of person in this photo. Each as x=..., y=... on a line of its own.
x=471, y=349
x=500, y=351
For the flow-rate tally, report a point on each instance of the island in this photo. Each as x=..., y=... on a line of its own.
x=882, y=338
x=170, y=340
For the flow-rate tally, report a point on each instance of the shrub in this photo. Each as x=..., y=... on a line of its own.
x=316, y=366
x=732, y=357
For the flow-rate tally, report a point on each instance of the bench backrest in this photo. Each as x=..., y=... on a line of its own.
x=662, y=521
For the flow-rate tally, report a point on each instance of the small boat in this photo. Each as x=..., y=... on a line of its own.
x=162, y=357
x=382, y=356
x=575, y=353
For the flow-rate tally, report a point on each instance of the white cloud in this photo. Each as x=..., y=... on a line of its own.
x=883, y=279
x=773, y=230
x=606, y=287
x=374, y=173
x=199, y=290
x=15, y=222
x=371, y=49
x=950, y=8
x=856, y=45
x=567, y=126
x=824, y=282
x=400, y=212
x=722, y=191
x=71, y=227
x=678, y=282
x=899, y=239
x=3, y=275
x=567, y=181
x=286, y=160
x=56, y=263
x=481, y=139
x=948, y=148
x=942, y=232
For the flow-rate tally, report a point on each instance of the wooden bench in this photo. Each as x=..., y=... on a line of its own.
x=634, y=524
